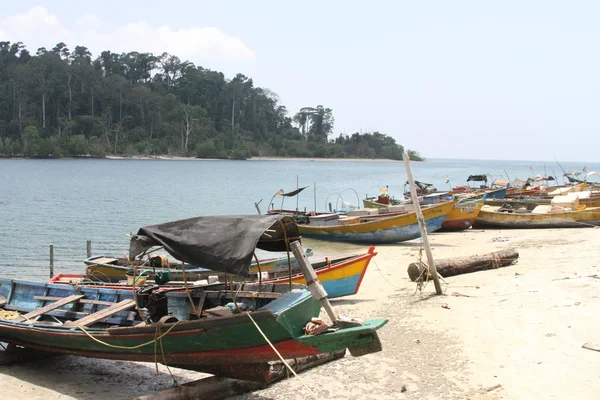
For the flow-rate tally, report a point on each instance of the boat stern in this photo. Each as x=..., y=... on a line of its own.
x=359, y=340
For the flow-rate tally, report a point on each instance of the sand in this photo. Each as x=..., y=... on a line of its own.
x=512, y=333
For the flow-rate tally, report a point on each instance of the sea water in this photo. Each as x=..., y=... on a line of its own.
x=67, y=202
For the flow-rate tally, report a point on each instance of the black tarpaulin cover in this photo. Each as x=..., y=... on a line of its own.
x=477, y=178
x=290, y=194
x=220, y=243
x=421, y=185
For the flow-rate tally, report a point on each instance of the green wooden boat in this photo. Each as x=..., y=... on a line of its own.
x=209, y=329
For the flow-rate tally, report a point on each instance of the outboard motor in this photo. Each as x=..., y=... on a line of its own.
x=155, y=302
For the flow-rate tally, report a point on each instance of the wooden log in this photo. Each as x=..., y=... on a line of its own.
x=215, y=388
x=462, y=265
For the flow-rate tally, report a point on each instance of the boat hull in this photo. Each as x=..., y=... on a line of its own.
x=462, y=216
x=219, y=345
x=571, y=219
x=398, y=228
x=339, y=280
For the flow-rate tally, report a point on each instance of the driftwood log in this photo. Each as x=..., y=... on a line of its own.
x=215, y=388
x=463, y=265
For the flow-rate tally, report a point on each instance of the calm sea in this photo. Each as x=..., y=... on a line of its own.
x=66, y=202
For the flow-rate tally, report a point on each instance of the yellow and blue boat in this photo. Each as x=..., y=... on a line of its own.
x=375, y=228
x=340, y=279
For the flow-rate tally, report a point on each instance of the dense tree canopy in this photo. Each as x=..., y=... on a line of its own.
x=63, y=102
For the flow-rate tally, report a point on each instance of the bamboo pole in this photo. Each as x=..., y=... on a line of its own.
x=89, y=248
x=258, y=207
x=314, y=286
x=51, y=260
x=422, y=226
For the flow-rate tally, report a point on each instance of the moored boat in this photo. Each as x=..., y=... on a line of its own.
x=463, y=215
x=541, y=216
x=372, y=229
x=216, y=328
x=340, y=277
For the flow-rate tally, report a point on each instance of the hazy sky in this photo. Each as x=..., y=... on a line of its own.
x=453, y=79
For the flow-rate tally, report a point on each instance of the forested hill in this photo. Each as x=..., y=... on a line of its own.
x=63, y=102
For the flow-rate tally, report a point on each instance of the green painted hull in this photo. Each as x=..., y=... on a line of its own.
x=217, y=345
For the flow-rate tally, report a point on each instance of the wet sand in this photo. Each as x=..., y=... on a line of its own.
x=520, y=327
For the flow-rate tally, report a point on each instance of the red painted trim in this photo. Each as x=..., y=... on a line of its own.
x=458, y=224
x=288, y=349
x=334, y=267
x=372, y=254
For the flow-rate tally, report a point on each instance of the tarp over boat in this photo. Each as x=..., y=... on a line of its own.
x=477, y=178
x=220, y=243
x=290, y=194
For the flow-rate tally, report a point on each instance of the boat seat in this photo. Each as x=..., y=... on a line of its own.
x=50, y=307
x=102, y=314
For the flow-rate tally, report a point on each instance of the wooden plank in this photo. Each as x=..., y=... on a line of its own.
x=50, y=307
x=82, y=301
x=103, y=314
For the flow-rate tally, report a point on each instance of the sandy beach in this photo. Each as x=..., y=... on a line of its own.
x=511, y=333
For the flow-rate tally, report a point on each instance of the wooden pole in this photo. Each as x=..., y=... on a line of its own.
x=422, y=226
x=315, y=287
x=89, y=248
x=51, y=260
x=315, y=192
x=258, y=207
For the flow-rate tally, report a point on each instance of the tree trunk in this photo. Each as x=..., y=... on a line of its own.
x=20, y=118
x=186, y=129
x=70, y=95
x=43, y=109
x=462, y=265
x=92, y=102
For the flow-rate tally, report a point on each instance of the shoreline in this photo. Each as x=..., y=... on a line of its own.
x=507, y=333
x=184, y=158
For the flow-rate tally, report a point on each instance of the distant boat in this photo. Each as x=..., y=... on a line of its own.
x=541, y=216
x=463, y=215
x=374, y=228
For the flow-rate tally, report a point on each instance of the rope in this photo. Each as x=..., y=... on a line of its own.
x=127, y=347
x=8, y=315
x=187, y=291
x=314, y=396
x=382, y=275
x=162, y=352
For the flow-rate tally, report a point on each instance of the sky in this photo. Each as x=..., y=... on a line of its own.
x=508, y=80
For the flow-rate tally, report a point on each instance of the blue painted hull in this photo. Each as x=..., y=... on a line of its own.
x=495, y=194
x=390, y=235
x=341, y=287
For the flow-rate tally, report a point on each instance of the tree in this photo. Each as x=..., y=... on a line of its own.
x=67, y=102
